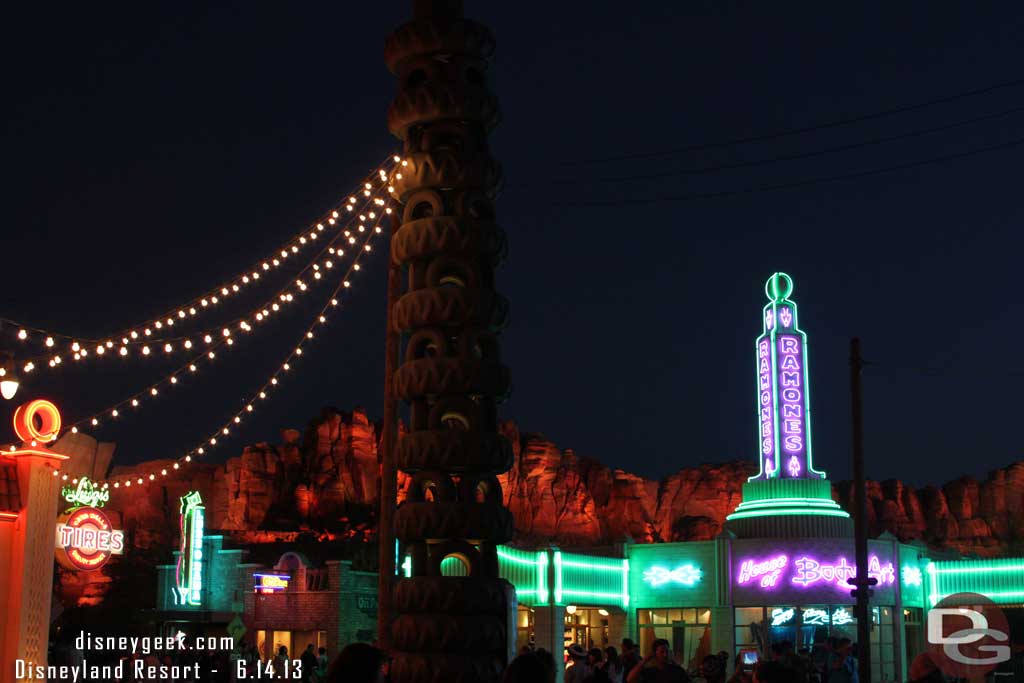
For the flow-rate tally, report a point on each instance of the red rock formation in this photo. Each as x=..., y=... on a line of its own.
x=325, y=481
x=963, y=515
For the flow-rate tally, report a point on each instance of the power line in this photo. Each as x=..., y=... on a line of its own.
x=973, y=371
x=789, y=157
x=800, y=183
x=796, y=131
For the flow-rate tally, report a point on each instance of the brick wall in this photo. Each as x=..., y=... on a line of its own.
x=357, y=608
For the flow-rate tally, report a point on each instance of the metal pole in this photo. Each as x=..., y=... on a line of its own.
x=388, y=473
x=860, y=529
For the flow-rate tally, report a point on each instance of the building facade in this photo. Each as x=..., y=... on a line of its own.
x=778, y=572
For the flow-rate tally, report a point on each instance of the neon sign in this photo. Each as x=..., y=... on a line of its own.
x=686, y=575
x=782, y=616
x=809, y=571
x=791, y=383
x=841, y=617
x=85, y=494
x=783, y=407
x=912, y=576
x=768, y=571
x=86, y=539
x=189, y=572
x=271, y=583
x=811, y=616
x=25, y=421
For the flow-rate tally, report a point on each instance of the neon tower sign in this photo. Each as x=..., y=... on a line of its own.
x=783, y=404
x=189, y=572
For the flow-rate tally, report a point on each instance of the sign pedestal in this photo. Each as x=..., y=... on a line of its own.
x=26, y=594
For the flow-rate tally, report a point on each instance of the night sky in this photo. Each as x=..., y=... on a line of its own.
x=152, y=150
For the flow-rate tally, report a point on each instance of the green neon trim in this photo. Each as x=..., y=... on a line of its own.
x=788, y=511
x=594, y=594
x=778, y=287
x=587, y=565
x=971, y=570
x=542, y=576
x=407, y=566
x=625, y=583
x=994, y=594
x=930, y=568
x=807, y=401
x=517, y=560
x=783, y=502
x=558, y=577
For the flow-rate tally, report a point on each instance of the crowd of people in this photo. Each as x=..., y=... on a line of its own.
x=831, y=660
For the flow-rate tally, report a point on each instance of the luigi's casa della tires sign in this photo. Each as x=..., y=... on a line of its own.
x=86, y=539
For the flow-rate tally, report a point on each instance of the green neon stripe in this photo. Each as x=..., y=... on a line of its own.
x=796, y=499
x=788, y=511
x=592, y=594
x=558, y=576
x=517, y=560
x=788, y=502
x=971, y=570
x=625, y=583
x=542, y=576
x=585, y=565
x=996, y=594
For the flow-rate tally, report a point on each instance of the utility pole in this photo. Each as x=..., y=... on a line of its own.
x=388, y=473
x=861, y=582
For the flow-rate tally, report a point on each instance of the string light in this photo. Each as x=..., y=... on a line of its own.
x=258, y=314
x=319, y=319
x=171, y=379
x=233, y=285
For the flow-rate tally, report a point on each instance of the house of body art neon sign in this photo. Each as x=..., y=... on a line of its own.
x=767, y=572
x=783, y=407
x=809, y=571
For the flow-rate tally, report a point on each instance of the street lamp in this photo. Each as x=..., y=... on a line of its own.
x=8, y=375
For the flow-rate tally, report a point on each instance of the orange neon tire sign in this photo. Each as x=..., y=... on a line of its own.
x=25, y=421
x=86, y=539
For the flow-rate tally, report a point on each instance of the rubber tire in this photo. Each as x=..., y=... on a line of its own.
x=454, y=451
x=439, y=521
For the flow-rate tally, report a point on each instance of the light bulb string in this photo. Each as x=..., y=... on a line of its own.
x=258, y=313
x=232, y=285
x=191, y=366
x=261, y=393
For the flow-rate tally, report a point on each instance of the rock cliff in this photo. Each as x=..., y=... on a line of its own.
x=324, y=482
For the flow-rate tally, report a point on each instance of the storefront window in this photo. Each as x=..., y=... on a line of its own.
x=269, y=643
x=913, y=635
x=587, y=627
x=811, y=627
x=686, y=629
x=524, y=627
x=883, y=649
x=782, y=624
x=262, y=646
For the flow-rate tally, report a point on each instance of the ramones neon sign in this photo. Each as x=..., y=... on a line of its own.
x=783, y=406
